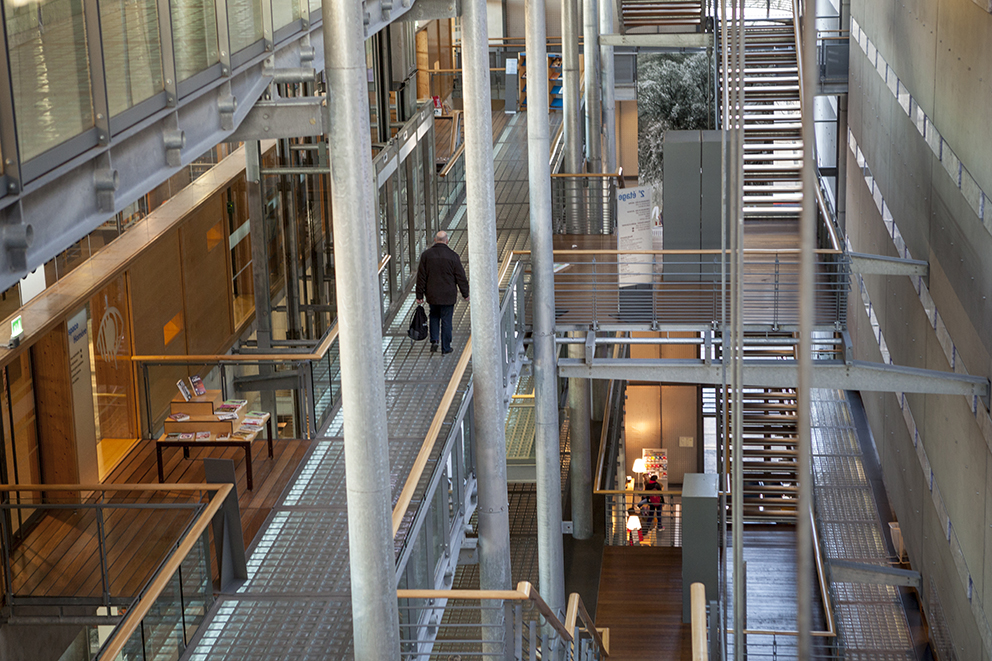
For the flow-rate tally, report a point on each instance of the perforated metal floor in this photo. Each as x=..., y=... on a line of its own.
x=296, y=603
x=871, y=621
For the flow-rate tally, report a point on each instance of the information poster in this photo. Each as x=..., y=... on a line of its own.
x=634, y=224
x=82, y=397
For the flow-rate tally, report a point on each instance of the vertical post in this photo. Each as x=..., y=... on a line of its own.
x=102, y=541
x=480, y=198
x=609, y=89
x=807, y=234
x=546, y=436
x=594, y=97
x=842, y=147
x=259, y=260
x=370, y=538
x=581, y=447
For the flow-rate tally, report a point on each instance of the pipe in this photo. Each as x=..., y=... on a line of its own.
x=480, y=202
x=594, y=96
x=370, y=534
x=842, y=147
x=807, y=240
x=609, y=88
x=579, y=402
x=546, y=435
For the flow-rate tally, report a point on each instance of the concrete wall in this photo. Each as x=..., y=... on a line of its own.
x=941, y=52
x=42, y=643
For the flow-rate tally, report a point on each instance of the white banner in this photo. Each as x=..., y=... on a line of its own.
x=634, y=233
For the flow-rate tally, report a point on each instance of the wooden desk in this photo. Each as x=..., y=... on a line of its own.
x=213, y=441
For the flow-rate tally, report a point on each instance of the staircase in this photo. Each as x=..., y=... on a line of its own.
x=673, y=15
x=773, y=144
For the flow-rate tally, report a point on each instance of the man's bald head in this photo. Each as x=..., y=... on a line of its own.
x=441, y=237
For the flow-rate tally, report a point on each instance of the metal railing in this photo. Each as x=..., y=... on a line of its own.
x=633, y=520
x=604, y=287
x=496, y=624
x=433, y=508
x=451, y=183
x=157, y=603
x=584, y=203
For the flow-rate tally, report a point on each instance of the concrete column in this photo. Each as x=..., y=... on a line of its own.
x=807, y=266
x=581, y=464
x=487, y=368
x=609, y=89
x=546, y=437
x=594, y=95
x=366, y=447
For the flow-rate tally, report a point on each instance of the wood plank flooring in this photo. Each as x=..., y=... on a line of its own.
x=640, y=600
x=59, y=555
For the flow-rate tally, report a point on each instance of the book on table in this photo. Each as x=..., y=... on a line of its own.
x=172, y=436
x=184, y=390
x=187, y=436
x=227, y=415
x=203, y=436
x=198, y=386
x=179, y=417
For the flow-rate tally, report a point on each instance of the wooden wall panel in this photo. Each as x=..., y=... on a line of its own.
x=53, y=407
x=156, y=288
x=205, y=264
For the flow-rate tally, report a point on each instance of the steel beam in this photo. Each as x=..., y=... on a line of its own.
x=857, y=375
x=882, y=265
x=664, y=40
x=856, y=572
x=429, y=10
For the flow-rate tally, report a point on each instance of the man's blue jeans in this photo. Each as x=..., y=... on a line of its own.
x=441, y=316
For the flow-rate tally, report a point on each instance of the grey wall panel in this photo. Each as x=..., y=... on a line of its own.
x=968, y=340
x=987, y=593
x=710, y=205
x=681, y=194
x=963, y=86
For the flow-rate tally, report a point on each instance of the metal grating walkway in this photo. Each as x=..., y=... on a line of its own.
x=871, y=622
x=296, y=603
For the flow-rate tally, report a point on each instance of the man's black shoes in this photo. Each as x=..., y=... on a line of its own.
x=448, y=351
x=433, y=347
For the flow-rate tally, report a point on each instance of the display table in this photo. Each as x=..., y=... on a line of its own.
x=223, y=433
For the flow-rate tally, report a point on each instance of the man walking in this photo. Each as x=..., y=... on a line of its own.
x=439, y=277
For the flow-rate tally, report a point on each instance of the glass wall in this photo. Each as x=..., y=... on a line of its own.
x=285, y=12
x=194, y=36
x=244, y=18
x=132, y=52
x=49, y=67
x=20, y=462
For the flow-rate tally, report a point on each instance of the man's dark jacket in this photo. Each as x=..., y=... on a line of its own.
x=440, y=276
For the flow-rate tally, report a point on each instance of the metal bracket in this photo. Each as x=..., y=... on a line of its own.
x=283, y=118
x=590, y=347
x=106, y=180
x=882, y=265
x=857, y=572
x=174, y=140
x=566, y=527
x=427, y=10
x=227, y=104
x=17, y=238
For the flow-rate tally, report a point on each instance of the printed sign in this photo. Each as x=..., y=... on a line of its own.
x=634, y=233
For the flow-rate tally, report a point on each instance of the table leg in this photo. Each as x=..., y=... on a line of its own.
x=161, y=472
x=185, y=452
x=248, y=464
x=268, y=427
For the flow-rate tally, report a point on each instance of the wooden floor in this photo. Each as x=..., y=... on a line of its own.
x=640, y=600
x=59, y=555
x=270, y=476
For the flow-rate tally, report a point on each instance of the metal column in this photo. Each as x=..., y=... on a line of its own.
x=807, y=240
x=546, y=439
x=572, y=107
x=487, y=369
x=366, y=446
x=842, y=147
x=594, y=97
x=579, y=396
x=260, y=262
x=609, y=89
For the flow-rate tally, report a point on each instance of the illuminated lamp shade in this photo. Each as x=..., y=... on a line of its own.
x=639, y=466
x=633, y=522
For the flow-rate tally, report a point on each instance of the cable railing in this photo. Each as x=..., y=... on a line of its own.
x=496, y=624
x=584, y=203
x=134, y=556
x=611, y=288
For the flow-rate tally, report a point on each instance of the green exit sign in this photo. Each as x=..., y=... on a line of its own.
x=16, y=327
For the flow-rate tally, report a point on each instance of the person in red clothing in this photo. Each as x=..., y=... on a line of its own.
x=440, y=277
x=653, y=504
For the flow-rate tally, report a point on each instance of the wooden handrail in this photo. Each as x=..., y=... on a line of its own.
x=697, y=606
x=318, y=354
x=577, y=612
x=452, y=160
x=524, y=592
x=134, y=618
x=585, y=175
x=427, y=447
x=112, y=487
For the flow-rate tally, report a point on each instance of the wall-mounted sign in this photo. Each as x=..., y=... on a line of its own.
x=16, y=327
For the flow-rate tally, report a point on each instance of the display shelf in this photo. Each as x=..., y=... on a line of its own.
x=554, y=81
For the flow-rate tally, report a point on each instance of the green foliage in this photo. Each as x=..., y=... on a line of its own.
x=674, y=91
